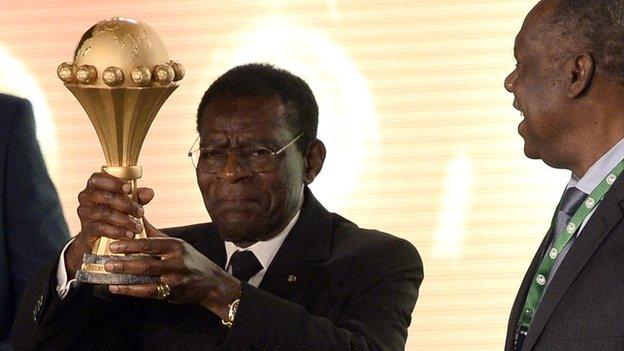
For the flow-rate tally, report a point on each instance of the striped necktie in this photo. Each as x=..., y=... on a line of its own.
x=572, y=199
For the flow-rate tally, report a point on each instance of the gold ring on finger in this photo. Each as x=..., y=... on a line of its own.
x=163, y=291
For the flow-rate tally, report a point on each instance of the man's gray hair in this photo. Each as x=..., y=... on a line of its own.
x=596, y=26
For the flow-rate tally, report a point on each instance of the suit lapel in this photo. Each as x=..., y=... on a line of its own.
x=526, y=283
x=307, y=245
x=216, y=251
x=599, y=226
x=524, y=289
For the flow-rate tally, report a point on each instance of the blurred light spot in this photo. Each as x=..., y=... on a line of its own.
x=454, y=206
x=332, y=7
x=347, y=122
x=16, y=80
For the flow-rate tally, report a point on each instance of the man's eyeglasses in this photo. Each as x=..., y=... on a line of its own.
x=256, y=158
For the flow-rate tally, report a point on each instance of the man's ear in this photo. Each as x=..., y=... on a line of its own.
x=315, y=156
x=580, y=75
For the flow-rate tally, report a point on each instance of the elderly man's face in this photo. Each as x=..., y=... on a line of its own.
x=249, y=205
x=537, y=84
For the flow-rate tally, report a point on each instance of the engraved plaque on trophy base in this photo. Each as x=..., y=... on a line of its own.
x=92, y=271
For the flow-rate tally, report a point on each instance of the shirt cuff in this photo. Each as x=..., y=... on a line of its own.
x=62, y=285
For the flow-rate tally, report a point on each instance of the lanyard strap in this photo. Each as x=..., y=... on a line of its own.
x=539, y=280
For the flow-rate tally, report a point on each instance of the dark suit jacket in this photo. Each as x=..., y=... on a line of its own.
x=583, y=307
x=331, y=286
x=32, y=229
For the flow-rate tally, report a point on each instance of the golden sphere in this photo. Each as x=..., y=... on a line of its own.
x=112, y=76
x=86, y=74
x=177, y=69
x=163, y=74
x=66, y=71
x=122, y=43
x=141, y=76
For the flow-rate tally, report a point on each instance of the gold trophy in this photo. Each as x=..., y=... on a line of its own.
x=121, y=75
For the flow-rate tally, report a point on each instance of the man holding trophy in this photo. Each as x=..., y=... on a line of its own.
x=273, y=270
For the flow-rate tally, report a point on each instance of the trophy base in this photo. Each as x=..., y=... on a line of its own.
x=93, y=272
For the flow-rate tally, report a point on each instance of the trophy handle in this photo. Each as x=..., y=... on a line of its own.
x=132, y=175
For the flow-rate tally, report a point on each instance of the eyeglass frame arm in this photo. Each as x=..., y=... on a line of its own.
x=273, y=153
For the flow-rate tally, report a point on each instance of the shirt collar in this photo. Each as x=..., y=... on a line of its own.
x=265, y=251
x=599, y=170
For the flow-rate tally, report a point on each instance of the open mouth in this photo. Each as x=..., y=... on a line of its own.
x=515, y=105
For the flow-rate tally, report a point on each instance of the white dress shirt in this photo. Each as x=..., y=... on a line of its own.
x=62, y=285
x=597, y=173
x=264, y=250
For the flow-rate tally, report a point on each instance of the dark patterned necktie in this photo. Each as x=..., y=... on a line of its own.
x=571, y=201
x=244, y=265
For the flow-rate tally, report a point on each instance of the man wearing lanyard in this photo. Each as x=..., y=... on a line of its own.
x=569, y=87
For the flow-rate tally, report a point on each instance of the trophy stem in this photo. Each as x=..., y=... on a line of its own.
x=92, y=269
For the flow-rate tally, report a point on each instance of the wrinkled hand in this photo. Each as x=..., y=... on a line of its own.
x=105, y=209
x=192, y=277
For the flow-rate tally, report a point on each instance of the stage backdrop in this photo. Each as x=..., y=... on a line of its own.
x=421, y=135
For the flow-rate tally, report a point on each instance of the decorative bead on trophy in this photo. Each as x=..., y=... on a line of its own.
x=121, y=75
